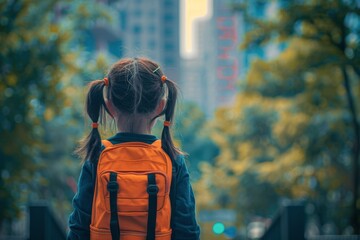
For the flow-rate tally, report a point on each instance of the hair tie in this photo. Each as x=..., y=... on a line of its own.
x=167, y=123
x=94, y=125
x=163, y=78
x=106, y=81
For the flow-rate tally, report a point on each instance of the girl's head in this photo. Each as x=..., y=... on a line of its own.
x=135, y=93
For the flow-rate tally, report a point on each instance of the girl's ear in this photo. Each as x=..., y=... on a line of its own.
x=160, y=107
x=110, y=107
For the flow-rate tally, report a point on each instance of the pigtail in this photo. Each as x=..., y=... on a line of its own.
x=166, y=139
x=90, y=146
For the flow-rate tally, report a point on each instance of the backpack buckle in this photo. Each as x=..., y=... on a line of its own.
x=152, y=189
x=112, y=186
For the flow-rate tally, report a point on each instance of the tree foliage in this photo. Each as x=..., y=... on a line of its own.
x=42, y=66
x=291, y=133
x=28, y=72
x=193, y=133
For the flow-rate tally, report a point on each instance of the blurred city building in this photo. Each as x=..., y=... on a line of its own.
x=198, y=80
x=217, y=59
x=211, y=77
x=152, y=29
x=142, y=28
x=105, y=36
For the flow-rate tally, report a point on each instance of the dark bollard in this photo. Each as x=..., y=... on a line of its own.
x=43, y=224
x=289, y=223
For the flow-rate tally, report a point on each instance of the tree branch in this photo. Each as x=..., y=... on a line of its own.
x=355, y=149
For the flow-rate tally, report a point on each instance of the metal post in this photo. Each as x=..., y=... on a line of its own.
x=293, y=223
x=37, y=222
x=43, y=224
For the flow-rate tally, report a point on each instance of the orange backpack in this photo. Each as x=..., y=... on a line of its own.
x=131, y=197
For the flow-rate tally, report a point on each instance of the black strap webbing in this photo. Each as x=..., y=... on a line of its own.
x=173, y=188
x=152, y=190
x=113, y=188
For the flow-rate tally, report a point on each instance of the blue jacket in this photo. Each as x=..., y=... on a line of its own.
x=184, y=224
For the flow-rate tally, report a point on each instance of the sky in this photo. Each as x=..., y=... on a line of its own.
x=191, y=10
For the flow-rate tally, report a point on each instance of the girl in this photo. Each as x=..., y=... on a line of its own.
x=134, y=93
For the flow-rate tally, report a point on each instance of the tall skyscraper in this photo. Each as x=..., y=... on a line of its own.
x=220, y=63
x=217, y=63
x=152, y=30
x=106, y=36
x=198, y=78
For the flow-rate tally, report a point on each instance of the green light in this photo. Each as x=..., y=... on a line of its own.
x=218, y=228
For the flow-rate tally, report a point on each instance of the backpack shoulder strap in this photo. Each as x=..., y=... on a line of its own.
x=157, y=143
x=106, y=143
x=173, y=186
x=173, y=189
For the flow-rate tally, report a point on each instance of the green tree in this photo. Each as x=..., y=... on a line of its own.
x=28, y=58
x=42, y=65
x=310, y=135
x=290, y=133
x=243, y=133
x=191, y=130
x=330, y=29
x=286, y=137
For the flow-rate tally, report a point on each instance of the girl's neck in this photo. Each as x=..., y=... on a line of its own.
x=135, y=124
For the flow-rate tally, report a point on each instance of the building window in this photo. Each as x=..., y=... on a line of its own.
x=169, y=46
x=152, y=28
x=115, y=48
x=137, y=44
x=122, y=19
x=169, y=61
x=152, y=44
x=169, y=3
x=136, y=29
x=168, y=17
x=168, y=31
x=138, y=13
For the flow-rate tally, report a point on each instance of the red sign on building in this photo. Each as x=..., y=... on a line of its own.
x=227, y=67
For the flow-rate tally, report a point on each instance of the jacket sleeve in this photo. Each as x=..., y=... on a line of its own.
x=184, y=226
x=80, y=218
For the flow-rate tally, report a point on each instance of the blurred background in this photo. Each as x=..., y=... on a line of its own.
x=269, y=112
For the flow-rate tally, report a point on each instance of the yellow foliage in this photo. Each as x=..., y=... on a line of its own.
x=27, y=36
x=247, y=150
x=300, y=191
x=219, y=139
x=11, y=79
x=83, y=10
x=54, y=28
x=49, y=114
x=203, y=187
x=2, y=89
x=13, y=39
x=289, y=125
x=241, y=166
x=288, y=162
x=255, y=78
x=326, y=178
x=308, y=29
